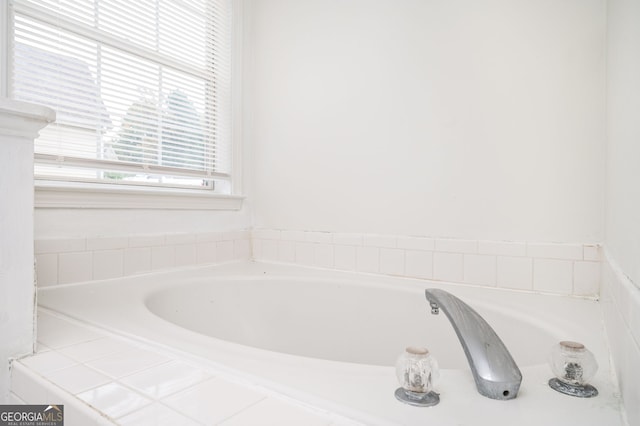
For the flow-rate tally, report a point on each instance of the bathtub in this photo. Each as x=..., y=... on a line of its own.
x=330, y=339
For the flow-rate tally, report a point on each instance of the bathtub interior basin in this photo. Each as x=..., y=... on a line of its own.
x=347, y=321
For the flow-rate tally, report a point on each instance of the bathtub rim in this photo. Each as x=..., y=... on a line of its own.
x=453, y=381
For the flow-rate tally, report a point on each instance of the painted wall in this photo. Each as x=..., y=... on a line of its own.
x=73, y=223
x=461, y=119
x=623, y=135
x=620, y=294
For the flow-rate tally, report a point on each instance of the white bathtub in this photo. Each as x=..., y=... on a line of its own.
x=330, y=339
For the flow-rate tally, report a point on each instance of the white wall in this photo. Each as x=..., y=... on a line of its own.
x=623, y=135
x=73, y=223
x=621, y=277
x=460, y=119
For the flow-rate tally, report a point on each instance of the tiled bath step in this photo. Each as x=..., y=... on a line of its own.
x=106, y=380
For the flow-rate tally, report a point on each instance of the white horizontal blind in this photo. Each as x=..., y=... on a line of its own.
x=141, y=88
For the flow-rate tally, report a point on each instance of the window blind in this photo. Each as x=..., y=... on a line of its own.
x=141, y=88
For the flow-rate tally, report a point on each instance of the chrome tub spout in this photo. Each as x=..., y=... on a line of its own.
x=495, y=372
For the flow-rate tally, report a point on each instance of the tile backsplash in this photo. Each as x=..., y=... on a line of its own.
x=545, y=267
x=620, y=301
x=532, y=266
x=71, y=260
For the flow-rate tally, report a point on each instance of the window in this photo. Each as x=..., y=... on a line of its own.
x=141, y=89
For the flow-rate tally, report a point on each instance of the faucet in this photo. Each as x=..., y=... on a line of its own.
x=495, y=372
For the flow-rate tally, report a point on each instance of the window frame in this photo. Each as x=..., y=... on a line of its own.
x=88, y=195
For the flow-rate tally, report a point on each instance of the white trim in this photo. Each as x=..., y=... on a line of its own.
x=4, y=49
x=53, y=195
x=237, y=50
x=23, y=119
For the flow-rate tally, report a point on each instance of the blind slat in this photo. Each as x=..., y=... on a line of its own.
x=140, y=88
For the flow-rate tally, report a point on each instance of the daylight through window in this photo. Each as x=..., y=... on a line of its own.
x=141, y=89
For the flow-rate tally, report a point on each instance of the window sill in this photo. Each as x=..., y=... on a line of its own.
x=54, y=195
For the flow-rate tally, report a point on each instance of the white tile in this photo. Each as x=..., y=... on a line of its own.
x=206, y=252
x=108, y=264
x=286, y=251
x=297, y=236
x=304, y=253
x=456, y=246
x=15, y=399
x=591, y=252
x=555, y=251
x=344, y=257
x=623, y=297
x=634, y=317
x=480, y=269
x=179, y=239
x=242, y=249
x=76, y=412
x=47, y=362
x=257, y=249
x=114, y=400
x=138, y=241
x=41, y=347
x=47, y=269
x=269, y=250
x=208, y=237
x=376, y=240
x=213, y=401
x=586, y=278
x=629, y=360
x=368, y=259
x=127, y=362
x=228, y=235
x=107, y=243
x=392, y=261
x=448, y=266
x=234, y=235
x=318, y=237
x=156, y=414
x=502, y=248
x=77, y=378
x=60, y=245
x=224, y=251
x=185, y=254
x=241, y=234
x=95, y=349
x=555, y=276
x=515, y=272
x=323, y=255
x=75, y=267
x=25, y=385
x=163, y=257
x=137, y=260
x=350, y=239
x=57, y=333
x=266, y=234
x=273, y=412
x=416, y=243
x=165, y=379
x=419, y=264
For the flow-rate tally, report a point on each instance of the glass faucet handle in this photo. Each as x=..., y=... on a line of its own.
x=573, y=366
x=416, y=371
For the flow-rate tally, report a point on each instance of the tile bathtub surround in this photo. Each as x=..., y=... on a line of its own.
x=105, y=380
x=621, y=306
x=72, y=260
x=572, y=269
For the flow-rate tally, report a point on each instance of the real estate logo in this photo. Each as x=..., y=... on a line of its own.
x=31, y=415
